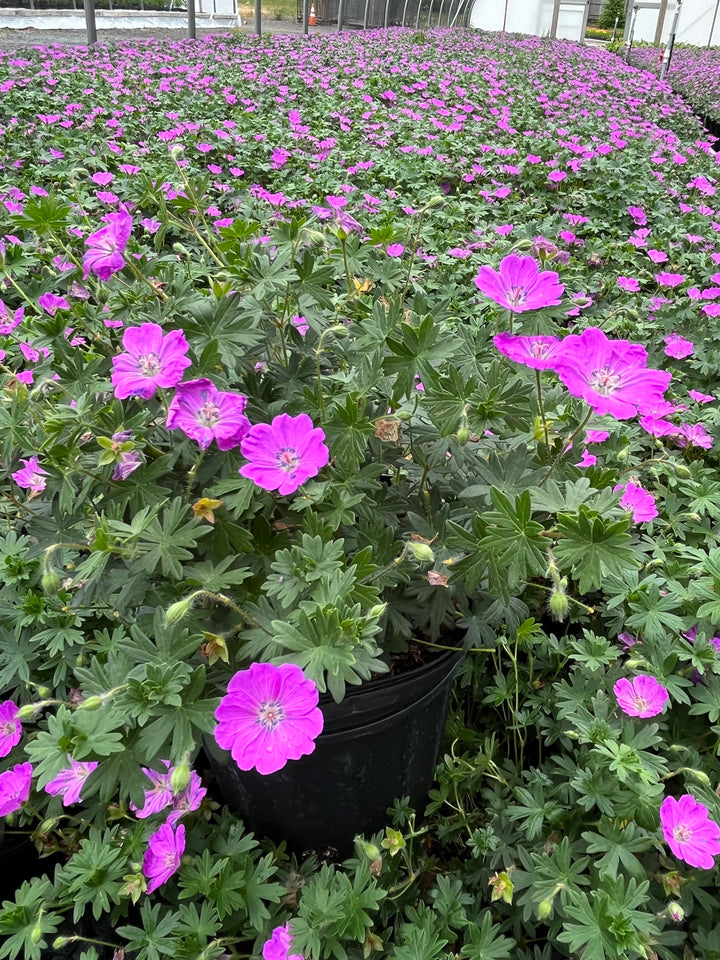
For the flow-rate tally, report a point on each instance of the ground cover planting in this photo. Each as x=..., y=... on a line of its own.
x=320, y=354
x=694, y=73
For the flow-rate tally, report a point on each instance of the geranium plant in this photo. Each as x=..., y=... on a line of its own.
x=433, y=369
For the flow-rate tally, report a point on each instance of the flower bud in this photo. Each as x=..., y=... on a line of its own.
x=422, y=552
x=178, y=611
x=47, y=825
x=463, y=435
x=180, y=778
x=559, y=606
x=435, y=202
x=37, y=932
x=675, y=912
x=544, y=909
x=27, y=712
x=50, y=582
x=681, y=470
x=60, y=942
x=377, y=611
x=92, y=703
x=44, y=692
x=523, y=245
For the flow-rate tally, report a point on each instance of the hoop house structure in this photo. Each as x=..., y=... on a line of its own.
x=698, y=21
x=554, y=18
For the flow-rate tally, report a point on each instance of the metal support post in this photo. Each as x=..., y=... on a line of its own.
x=671, y=42
x=258, y=17
x=632, y=33
x=405, y=10
x=341, y=10
x=90, y=21
x=306, y=17
x=192, y=32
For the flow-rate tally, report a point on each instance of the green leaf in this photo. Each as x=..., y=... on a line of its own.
x=592, y=546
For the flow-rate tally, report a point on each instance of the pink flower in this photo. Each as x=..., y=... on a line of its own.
x=689, y=832
x=102, y=178
x=694, y=434
x=300, y=324
x=630, y=284
x=15, y=787
x=159, y=796
x=587, y=460
x=557, y=176
x=205, y=414
x=638, y=501
x=596, y=436
x=70, y=780
x=9, y=321
x=31, y=477
x=642, y=696
x=535, y=352
x=519, y=285
x=152, y=359
x=188, y=799
x=268, y=716
x=284, y=454
x=666, y=279
x=162, y=857
x=278, y=946
x=677, y=347
x=711, y=309
x=610, y=375
x=658, y=256
x=700, y=397
x=10, y=727
x=395, y=250
x=51, y=303
x=104, y=254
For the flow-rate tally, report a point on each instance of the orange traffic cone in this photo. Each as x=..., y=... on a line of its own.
x=312, y=22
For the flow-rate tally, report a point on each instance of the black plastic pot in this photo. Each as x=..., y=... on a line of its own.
x=381, y=742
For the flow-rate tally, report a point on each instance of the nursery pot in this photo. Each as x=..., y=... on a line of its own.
x=381, y=742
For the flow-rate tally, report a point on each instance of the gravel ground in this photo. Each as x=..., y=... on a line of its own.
x=12, y=40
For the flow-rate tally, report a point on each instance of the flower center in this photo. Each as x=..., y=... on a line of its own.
x=149, y=364
x=641, y=703
x=604, y=381
x=682, y=833
x=36, y=480
x=208, y=414
x=539, y=350
x=270, y=714
x=169, y=860
x=517, y=295
x=287, y=460
x=8, y=728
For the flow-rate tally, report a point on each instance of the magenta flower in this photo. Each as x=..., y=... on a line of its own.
x=104, y=254
x=677, y=347
x=658, y=256
x=152, y=359
x=395, y=250
x=205, y=414
x=10, y=727
x=666, y=279
x=638, y=501
x=596, y=436
x=129, y=461
x=31, y=477
x=629, y=284
x=162, y=857
x=610, y=375
x=643, y=696
x=159, y=796
x=689, y=832
x=188, y=799
x=300, y=324
x=278, y=946
x=284, y=453
x=694, y=434
x=268, y=716
x=535, y=352
x=15, y=787
x=520, y=285
x=700, y=397
x=69, y=782
x=52, y=303
x=587, y=460
x=8, y=320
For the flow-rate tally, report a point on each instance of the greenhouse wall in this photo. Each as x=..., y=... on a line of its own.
x=531, y=16
x=698, y=23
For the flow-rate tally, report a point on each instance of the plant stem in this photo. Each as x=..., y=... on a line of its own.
x=541, y=407
x=569, y=440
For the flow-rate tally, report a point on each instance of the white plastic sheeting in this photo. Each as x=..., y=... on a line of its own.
x=531, y=17
x=655, y=18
